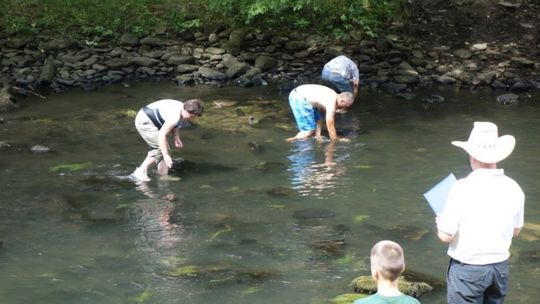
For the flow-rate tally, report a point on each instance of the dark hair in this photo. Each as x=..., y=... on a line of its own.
x=194, y=106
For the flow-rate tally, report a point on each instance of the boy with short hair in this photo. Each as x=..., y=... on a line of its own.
x=154, y=123
x=308, y=101
x=387, y=264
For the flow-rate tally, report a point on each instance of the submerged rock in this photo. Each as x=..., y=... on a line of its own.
x=40, y=149
x=528, y=257
x=6, y=101
x=271, y=166
x=253, y=146
x=220, y=275
x=409, y=232
x=312, y=213
x=187, y=166
x=4, y=145
x=252, y=120
x=279, y=191
x=329, y=248
x=366, y=284
x=433, y=98
x=508, y=99
x=220, y=103
x=348, y=298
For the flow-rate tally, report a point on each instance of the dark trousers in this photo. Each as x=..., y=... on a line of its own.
x=481, y=284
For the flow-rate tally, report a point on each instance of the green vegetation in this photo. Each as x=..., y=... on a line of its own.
x=71, y=167
x=106, y=18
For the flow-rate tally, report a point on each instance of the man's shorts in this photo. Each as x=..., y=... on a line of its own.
x=149, y=133
x=337, y=80
x=305, y=114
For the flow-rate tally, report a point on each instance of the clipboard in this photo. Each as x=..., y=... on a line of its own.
x=436, y=196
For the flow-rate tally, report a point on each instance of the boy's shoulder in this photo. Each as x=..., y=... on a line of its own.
x=378, y=299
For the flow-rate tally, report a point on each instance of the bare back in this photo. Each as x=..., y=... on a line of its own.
x=319, y=96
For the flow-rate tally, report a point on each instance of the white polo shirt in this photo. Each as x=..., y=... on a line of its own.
x=482, y=211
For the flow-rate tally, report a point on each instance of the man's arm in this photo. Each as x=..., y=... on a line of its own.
x=445, y=237
x=355, y=86
x=177, y=141
x=318, y=128
x=330, y=125
x=516, y=231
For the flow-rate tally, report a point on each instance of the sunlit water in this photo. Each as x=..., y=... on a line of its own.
x=253, y=219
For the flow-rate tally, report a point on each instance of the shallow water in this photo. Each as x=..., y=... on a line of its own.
x=284, y=223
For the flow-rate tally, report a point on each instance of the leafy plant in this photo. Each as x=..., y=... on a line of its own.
x=90, y=19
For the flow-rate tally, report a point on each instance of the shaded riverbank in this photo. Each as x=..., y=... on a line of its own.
x=402, y=59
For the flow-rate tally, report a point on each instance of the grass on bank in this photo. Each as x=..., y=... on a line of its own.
x=89, y=19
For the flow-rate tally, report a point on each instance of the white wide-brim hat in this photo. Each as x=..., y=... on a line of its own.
x=485, y=145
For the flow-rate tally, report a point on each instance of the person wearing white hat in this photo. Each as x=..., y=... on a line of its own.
x=483, y=212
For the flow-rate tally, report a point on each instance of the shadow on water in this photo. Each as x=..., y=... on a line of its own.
x=186, y=167
x=246, y=216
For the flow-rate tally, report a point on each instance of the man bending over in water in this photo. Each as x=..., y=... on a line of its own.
x=306, y=103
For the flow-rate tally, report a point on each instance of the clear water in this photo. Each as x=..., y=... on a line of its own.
x=236, y=226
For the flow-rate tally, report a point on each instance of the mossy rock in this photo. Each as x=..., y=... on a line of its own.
x=71, y=167
x=366, y=284
x=348, y=298
x=280, y=191
x=129, y=113
x=191, y=271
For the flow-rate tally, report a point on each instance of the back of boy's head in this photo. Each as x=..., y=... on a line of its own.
x=194, y=106
x=387, y=259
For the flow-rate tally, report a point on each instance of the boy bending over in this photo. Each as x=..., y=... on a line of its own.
x=308, y=100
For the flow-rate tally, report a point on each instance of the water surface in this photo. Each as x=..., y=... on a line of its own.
x=253, y=219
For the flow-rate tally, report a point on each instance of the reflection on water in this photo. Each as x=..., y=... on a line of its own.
x=273, y=223
x=152, y=216
x=314, y=177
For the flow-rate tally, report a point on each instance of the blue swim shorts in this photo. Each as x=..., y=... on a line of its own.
x=305, y=114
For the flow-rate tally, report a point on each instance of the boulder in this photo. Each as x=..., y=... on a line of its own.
x=348, y=298
x=444, y=79
x=16, y=43
x=487, y=77
x=186, y=68
x=129, y=39
x=406, y=79
x=235, y=39
x=508, y=99
x=215, y=51
x=6, y=101
x=117, y=63
x=180, y=59
x=143, y=61
x=212, y=74
x=522, y=62
x=366, y=284
x=234, y=67
x=48, y=73
x=152, y=41
x=462, y=54
x=296, y=45
x=265, y=63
